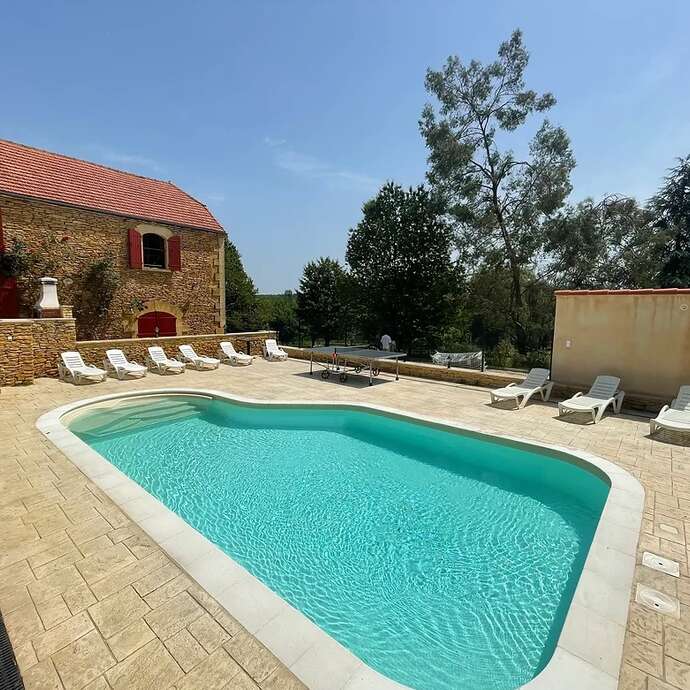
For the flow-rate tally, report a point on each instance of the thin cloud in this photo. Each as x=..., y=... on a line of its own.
x=130, y=160
x=216, y=198
x=311, y=167
x=270, y=141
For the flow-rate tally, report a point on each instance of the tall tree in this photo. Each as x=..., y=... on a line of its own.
x=671, y=207
x=322, y=299
x=610, y=244
x=241, y=308
x=499, y=200
x=401, y=260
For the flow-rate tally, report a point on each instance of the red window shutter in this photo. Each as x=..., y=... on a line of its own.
x=174, y=254
x=136, y=260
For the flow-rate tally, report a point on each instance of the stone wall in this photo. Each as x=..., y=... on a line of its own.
x=423, y=370
x=51, y=338
x=69, y=240
x=486, y=379
x=29, y=348
x=93, y=351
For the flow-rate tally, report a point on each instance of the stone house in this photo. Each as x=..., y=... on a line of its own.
x=135, y=256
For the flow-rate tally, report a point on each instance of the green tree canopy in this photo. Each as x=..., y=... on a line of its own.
x=671, y=208
x=401, y=261
x=241, y=308
x=279, y=313
x=323, y=299
x=499, y=201
x=610, y=244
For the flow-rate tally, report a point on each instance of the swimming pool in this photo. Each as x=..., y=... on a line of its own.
x=441, y=559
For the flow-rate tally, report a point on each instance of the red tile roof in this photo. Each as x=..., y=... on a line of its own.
x=30, y=172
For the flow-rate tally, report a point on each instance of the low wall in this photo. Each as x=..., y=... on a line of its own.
x=30, y=348
x=471, y=377
x=486, y=379
x=93, y=351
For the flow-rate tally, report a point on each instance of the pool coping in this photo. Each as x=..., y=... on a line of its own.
x=590, y=646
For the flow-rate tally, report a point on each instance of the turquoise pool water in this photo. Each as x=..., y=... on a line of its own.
x=442, y=560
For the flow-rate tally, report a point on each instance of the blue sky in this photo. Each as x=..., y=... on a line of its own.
x=284, y=117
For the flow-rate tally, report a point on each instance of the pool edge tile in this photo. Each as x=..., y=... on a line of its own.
x=566, y=670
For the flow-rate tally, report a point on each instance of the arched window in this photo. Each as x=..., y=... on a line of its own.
x=154, y=250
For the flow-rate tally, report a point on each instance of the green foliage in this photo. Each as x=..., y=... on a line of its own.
x=99, y=284
x=241, y=305
x=323, y=299
x=279, y=313
x=404, y=276
x=499, y=202
x=671, y=207
x=16, y=261
x=136, y=304
x=611, y=244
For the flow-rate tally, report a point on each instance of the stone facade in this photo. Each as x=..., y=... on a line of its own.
x=30, y=348
x=67, y=241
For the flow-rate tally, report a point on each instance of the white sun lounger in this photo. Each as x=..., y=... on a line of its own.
x=273, y=352
x=72, y=368
x=160, y=362
x=115, y=362
x=197, y=361
x=229, y=354
x=537, y=381
x=604, y=392
x=676, y=416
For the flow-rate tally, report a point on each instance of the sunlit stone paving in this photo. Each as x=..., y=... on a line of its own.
x=90, y=601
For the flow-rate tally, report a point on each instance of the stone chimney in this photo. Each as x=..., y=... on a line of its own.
x=48, y=306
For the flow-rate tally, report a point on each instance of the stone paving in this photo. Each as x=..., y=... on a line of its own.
x=90, y=601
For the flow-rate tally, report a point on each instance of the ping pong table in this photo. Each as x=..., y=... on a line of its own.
x=344, y=360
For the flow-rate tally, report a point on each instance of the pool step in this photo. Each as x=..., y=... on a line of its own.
x=115, y=420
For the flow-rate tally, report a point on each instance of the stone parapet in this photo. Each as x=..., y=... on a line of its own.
x=486, y=379
x=31, y=348
x=93, y=351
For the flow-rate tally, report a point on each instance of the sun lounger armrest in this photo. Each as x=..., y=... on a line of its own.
x=663, y=409
x=579, y=394
x=511, y=385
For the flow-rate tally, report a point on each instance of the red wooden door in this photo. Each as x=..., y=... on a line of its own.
x=9, y=298
x=156, y=323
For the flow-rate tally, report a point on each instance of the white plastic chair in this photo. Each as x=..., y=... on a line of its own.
x=229, y=354
x=604, y=392
x=116, y=363
x=272, y=352
x=197, y=361
x=537, y=381
x=72, y=368
x=676, y=416
x=158, y=361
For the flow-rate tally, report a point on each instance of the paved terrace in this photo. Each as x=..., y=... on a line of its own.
x=90, y=601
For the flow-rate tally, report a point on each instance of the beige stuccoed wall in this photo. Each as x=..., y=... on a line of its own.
x=641, y=336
